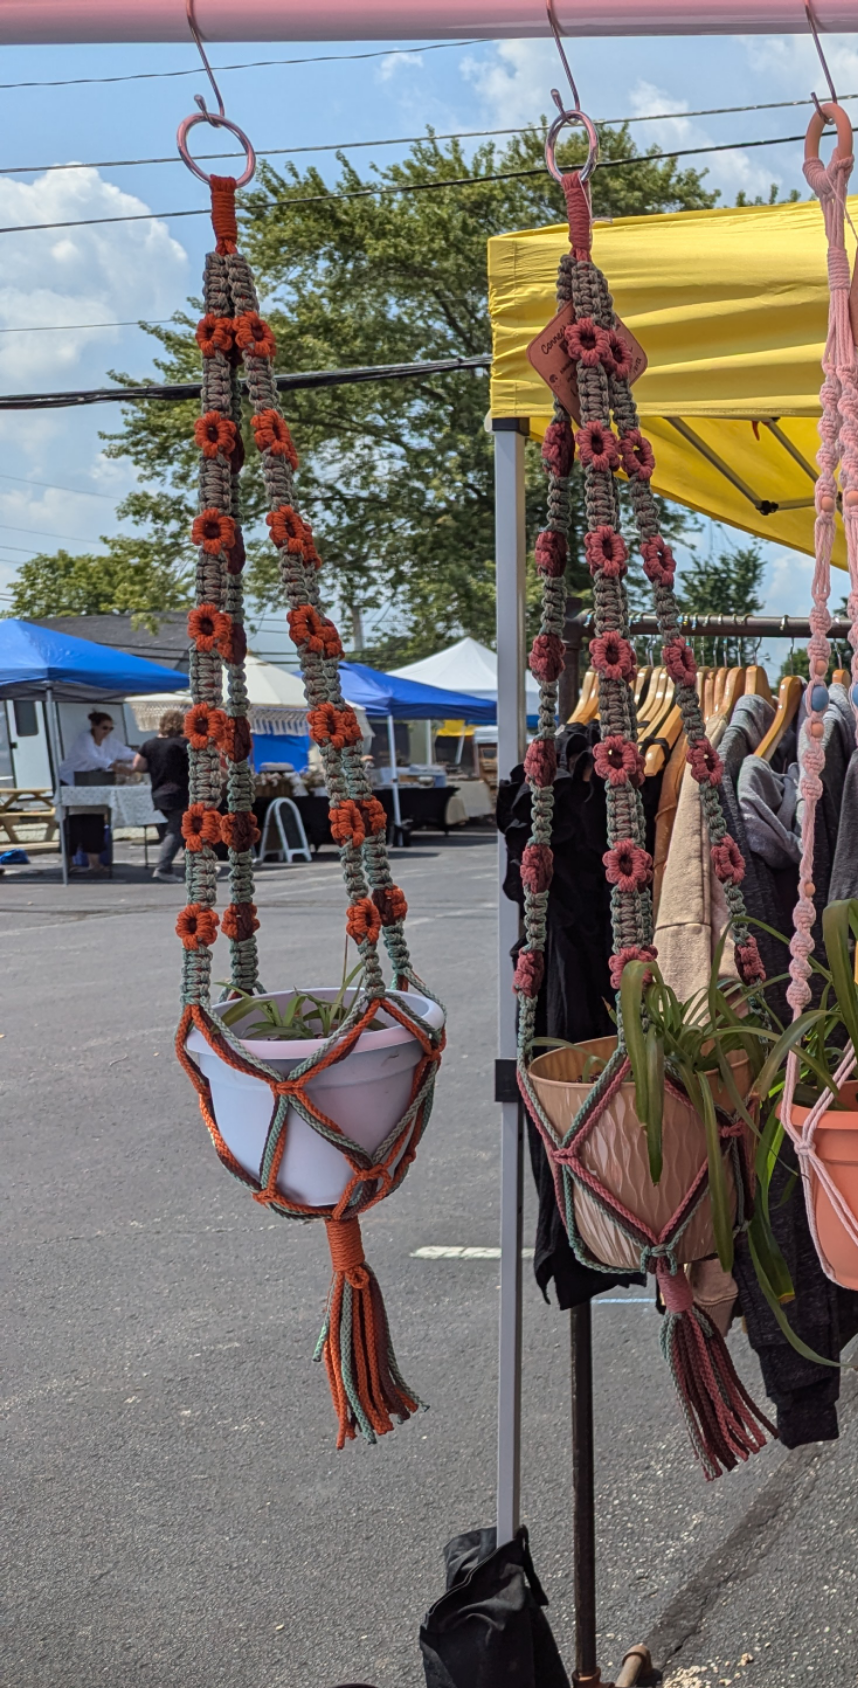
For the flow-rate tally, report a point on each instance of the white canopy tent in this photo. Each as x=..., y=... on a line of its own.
x=277, y=701
x=466, y=666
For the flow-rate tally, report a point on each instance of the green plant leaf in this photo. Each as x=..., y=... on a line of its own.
x=631, y=1011
x=722, y=1220
x=838, y=920
x=654, y=1102
x=769, y=1255
x=772, y=1298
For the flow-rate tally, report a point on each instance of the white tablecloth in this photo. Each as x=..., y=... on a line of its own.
x=470, y=802
x=129, y=805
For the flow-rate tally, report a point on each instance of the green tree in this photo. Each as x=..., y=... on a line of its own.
x=145, y=576
x=396, y=476
x=727, y=584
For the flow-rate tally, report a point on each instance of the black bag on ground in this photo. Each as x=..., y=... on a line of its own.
x=489, y=1629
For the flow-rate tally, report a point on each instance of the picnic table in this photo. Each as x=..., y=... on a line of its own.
x=24, y=805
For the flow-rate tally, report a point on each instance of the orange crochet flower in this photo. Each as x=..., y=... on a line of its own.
x=254, y=335
x=200, y=826
x=239, y=831
x=204, y=725
x=197, y=926
x=214, y=532
x=391, y=904
x=215, y=334
x=205, y=626
x=363, y=921
x=287, y=528
x=272, y=434
x=314, y=632
x=347, y=824
x=374, y=814
x=239, y=921
x=214, y=433
x=337, y=727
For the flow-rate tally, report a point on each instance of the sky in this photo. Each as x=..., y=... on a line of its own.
x=57, y=487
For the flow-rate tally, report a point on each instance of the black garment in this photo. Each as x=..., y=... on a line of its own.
x=86, y=832
x=167, y=761
x=489, y=1628
x=844, y=873
x=574, y=1000
x=748, y=726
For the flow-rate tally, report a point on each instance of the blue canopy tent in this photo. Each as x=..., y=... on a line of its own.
x=385, y=697
x=38, y=662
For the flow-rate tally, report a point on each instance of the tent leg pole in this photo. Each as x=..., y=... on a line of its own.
x=511, y=553
x=583, y=1493
x=394, y=777
x=54, y=751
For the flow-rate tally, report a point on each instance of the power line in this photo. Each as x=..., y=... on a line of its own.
x=60, y=327
x=411, y=140
x=45, y=533
x=417, y=187
x=252, y=64
x=51, y=486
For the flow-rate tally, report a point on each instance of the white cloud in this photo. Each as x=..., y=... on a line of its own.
x=792, y=62
x=515, y=86
x=397, y=64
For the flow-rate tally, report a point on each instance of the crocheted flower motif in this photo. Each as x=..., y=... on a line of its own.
x=558, y=449
x=232, y=640
x=597, y=446
x=618, y=761
x=200, y=826
x=215, y=334
x=272, y=434
x=253, y=335
x=529, y=972
x=205, y=626
x=391, y=904
x=239, y=921
x=750, y=962
x=311, y=555
x=637, y=455
x=236, y=556
x=214, y=433
x=728, y=863
x=540, y=762
x=546, y=657
x=204, y=726
x=628, y=866
x=239, y=831
x=363, y=921
x=374, y=814
x=329, y=725
x=613, y=656
x=586, y=343
x=705, y=763
x=537, y=867
x=679, y=661
x=214, y=532
x=658, y=561
x=550, y=553
x=237, y=740
x=287, y=529
x=606, y=552
x=632, y=952
x=312, y=631
x=618, y=358
x=197, y=926
x=347, y=823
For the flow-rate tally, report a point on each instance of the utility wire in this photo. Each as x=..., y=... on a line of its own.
x=51, y=486
x=414, y=187
x=252, y=64
x=411, y=140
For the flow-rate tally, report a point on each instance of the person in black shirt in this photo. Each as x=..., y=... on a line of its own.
x=165, y=758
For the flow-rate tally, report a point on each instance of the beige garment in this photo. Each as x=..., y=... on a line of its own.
x=692, y=911
x=664, y=820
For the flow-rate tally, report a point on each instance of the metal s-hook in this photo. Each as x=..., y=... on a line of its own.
x=574, y=115
x=822, y=59
x=219, y=121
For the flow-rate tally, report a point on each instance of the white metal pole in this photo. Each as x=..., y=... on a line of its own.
x=394, y=779
x=55, y=752
x=510, y=550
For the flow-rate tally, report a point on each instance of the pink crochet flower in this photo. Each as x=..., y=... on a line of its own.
x=550, y=551
x=659, y=563
x=546, y=657
x=618, y=362
x=613, y=656
x=606, y=551
x=750, y=962
x=679, y=662
x=540, y=762
x=637, y=455
x=618, y=761
x=537, y=867
x=728, y=862
x=529, y=972
x=705, y=763
x=632, y=952
x=558, y=448
x=597, y=446
x=628, y=866
x=587, y=343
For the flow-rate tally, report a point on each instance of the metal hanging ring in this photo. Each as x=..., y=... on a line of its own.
x=217, y=123
x=559, y=123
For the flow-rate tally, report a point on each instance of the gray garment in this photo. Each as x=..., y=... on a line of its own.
x=844, y=874
x=171, y=840
x=769, y=804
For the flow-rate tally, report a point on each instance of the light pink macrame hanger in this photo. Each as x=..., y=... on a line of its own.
x=838, y=430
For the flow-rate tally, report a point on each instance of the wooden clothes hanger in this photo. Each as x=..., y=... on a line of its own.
x=757, y=683
x=789, y=697
x=587, y=707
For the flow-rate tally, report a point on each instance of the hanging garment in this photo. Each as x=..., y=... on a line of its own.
x=749, y=723
x=693, y=912
x=844, y=872
x=665, y=821
x=490, y=1627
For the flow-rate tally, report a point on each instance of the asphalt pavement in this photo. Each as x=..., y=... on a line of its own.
x=176, y=1512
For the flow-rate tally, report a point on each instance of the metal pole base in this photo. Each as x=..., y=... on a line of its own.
x=636, y=1664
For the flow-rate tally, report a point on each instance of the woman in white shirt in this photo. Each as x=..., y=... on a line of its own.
x=96, y=749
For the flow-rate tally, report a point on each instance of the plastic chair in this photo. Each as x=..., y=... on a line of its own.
x=285, y=818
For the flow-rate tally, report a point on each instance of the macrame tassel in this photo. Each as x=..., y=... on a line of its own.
x=723, y=1422
x=366, y=1384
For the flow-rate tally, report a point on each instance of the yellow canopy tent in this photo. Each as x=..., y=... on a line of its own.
x=731, y=308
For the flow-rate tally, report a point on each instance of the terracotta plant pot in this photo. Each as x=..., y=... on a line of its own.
x=615, y=1152
x=836, y=1144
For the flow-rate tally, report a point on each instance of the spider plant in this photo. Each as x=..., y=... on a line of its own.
x=304, y=1016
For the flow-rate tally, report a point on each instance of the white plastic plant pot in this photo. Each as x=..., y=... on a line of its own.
x=365, y=1094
